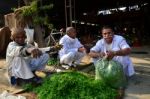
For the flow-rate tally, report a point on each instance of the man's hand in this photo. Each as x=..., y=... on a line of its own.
x=97, y=54
x=36, y=53
x=110, y=54
x=101, y=54
x=56, y=47
x=82, y=49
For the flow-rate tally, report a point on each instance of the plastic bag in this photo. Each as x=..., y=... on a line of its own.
x=111, y=72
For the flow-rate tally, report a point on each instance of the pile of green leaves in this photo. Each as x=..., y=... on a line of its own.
x=52, y=62
x=74, y=85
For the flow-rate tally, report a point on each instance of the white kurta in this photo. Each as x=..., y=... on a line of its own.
x=69, y=53
x=118, y=43
x=21, y=65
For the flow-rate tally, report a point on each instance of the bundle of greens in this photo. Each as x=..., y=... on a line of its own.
x=52, y=62
x=74, y=85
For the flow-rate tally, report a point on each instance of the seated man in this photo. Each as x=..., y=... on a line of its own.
x=72, y=50
x=114, y=47
x=23, y=59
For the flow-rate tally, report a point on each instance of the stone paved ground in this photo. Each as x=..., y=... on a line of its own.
x=139, y=84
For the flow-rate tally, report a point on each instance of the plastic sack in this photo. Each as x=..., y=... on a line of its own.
x=111, y=72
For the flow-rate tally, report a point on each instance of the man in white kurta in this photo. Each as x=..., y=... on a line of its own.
x=18, y=56
x=20, y=64
x=116, y=48
x=72, y=50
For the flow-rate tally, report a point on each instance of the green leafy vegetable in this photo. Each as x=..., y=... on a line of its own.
x=52, y=62
x=74, y=85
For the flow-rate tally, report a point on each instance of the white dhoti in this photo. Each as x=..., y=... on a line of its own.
x=19, y=69
x=71, y=57
x=128, y=67
x=22, y=68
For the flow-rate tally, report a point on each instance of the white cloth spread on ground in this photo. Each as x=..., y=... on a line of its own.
x=118, y=43
x=20, y=64
x=69, y=53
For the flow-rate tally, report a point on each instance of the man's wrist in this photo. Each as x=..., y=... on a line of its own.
x=115, y=53
x=99, y=55
x=118, y=53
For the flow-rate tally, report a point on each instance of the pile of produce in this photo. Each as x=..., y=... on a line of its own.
x=74, y=85
x=111, y=72
x=52, y=62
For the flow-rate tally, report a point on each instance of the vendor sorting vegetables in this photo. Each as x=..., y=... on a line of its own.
x=113, y=47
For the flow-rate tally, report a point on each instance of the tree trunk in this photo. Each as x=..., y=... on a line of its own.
x=4, y=40
x=39, y=36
